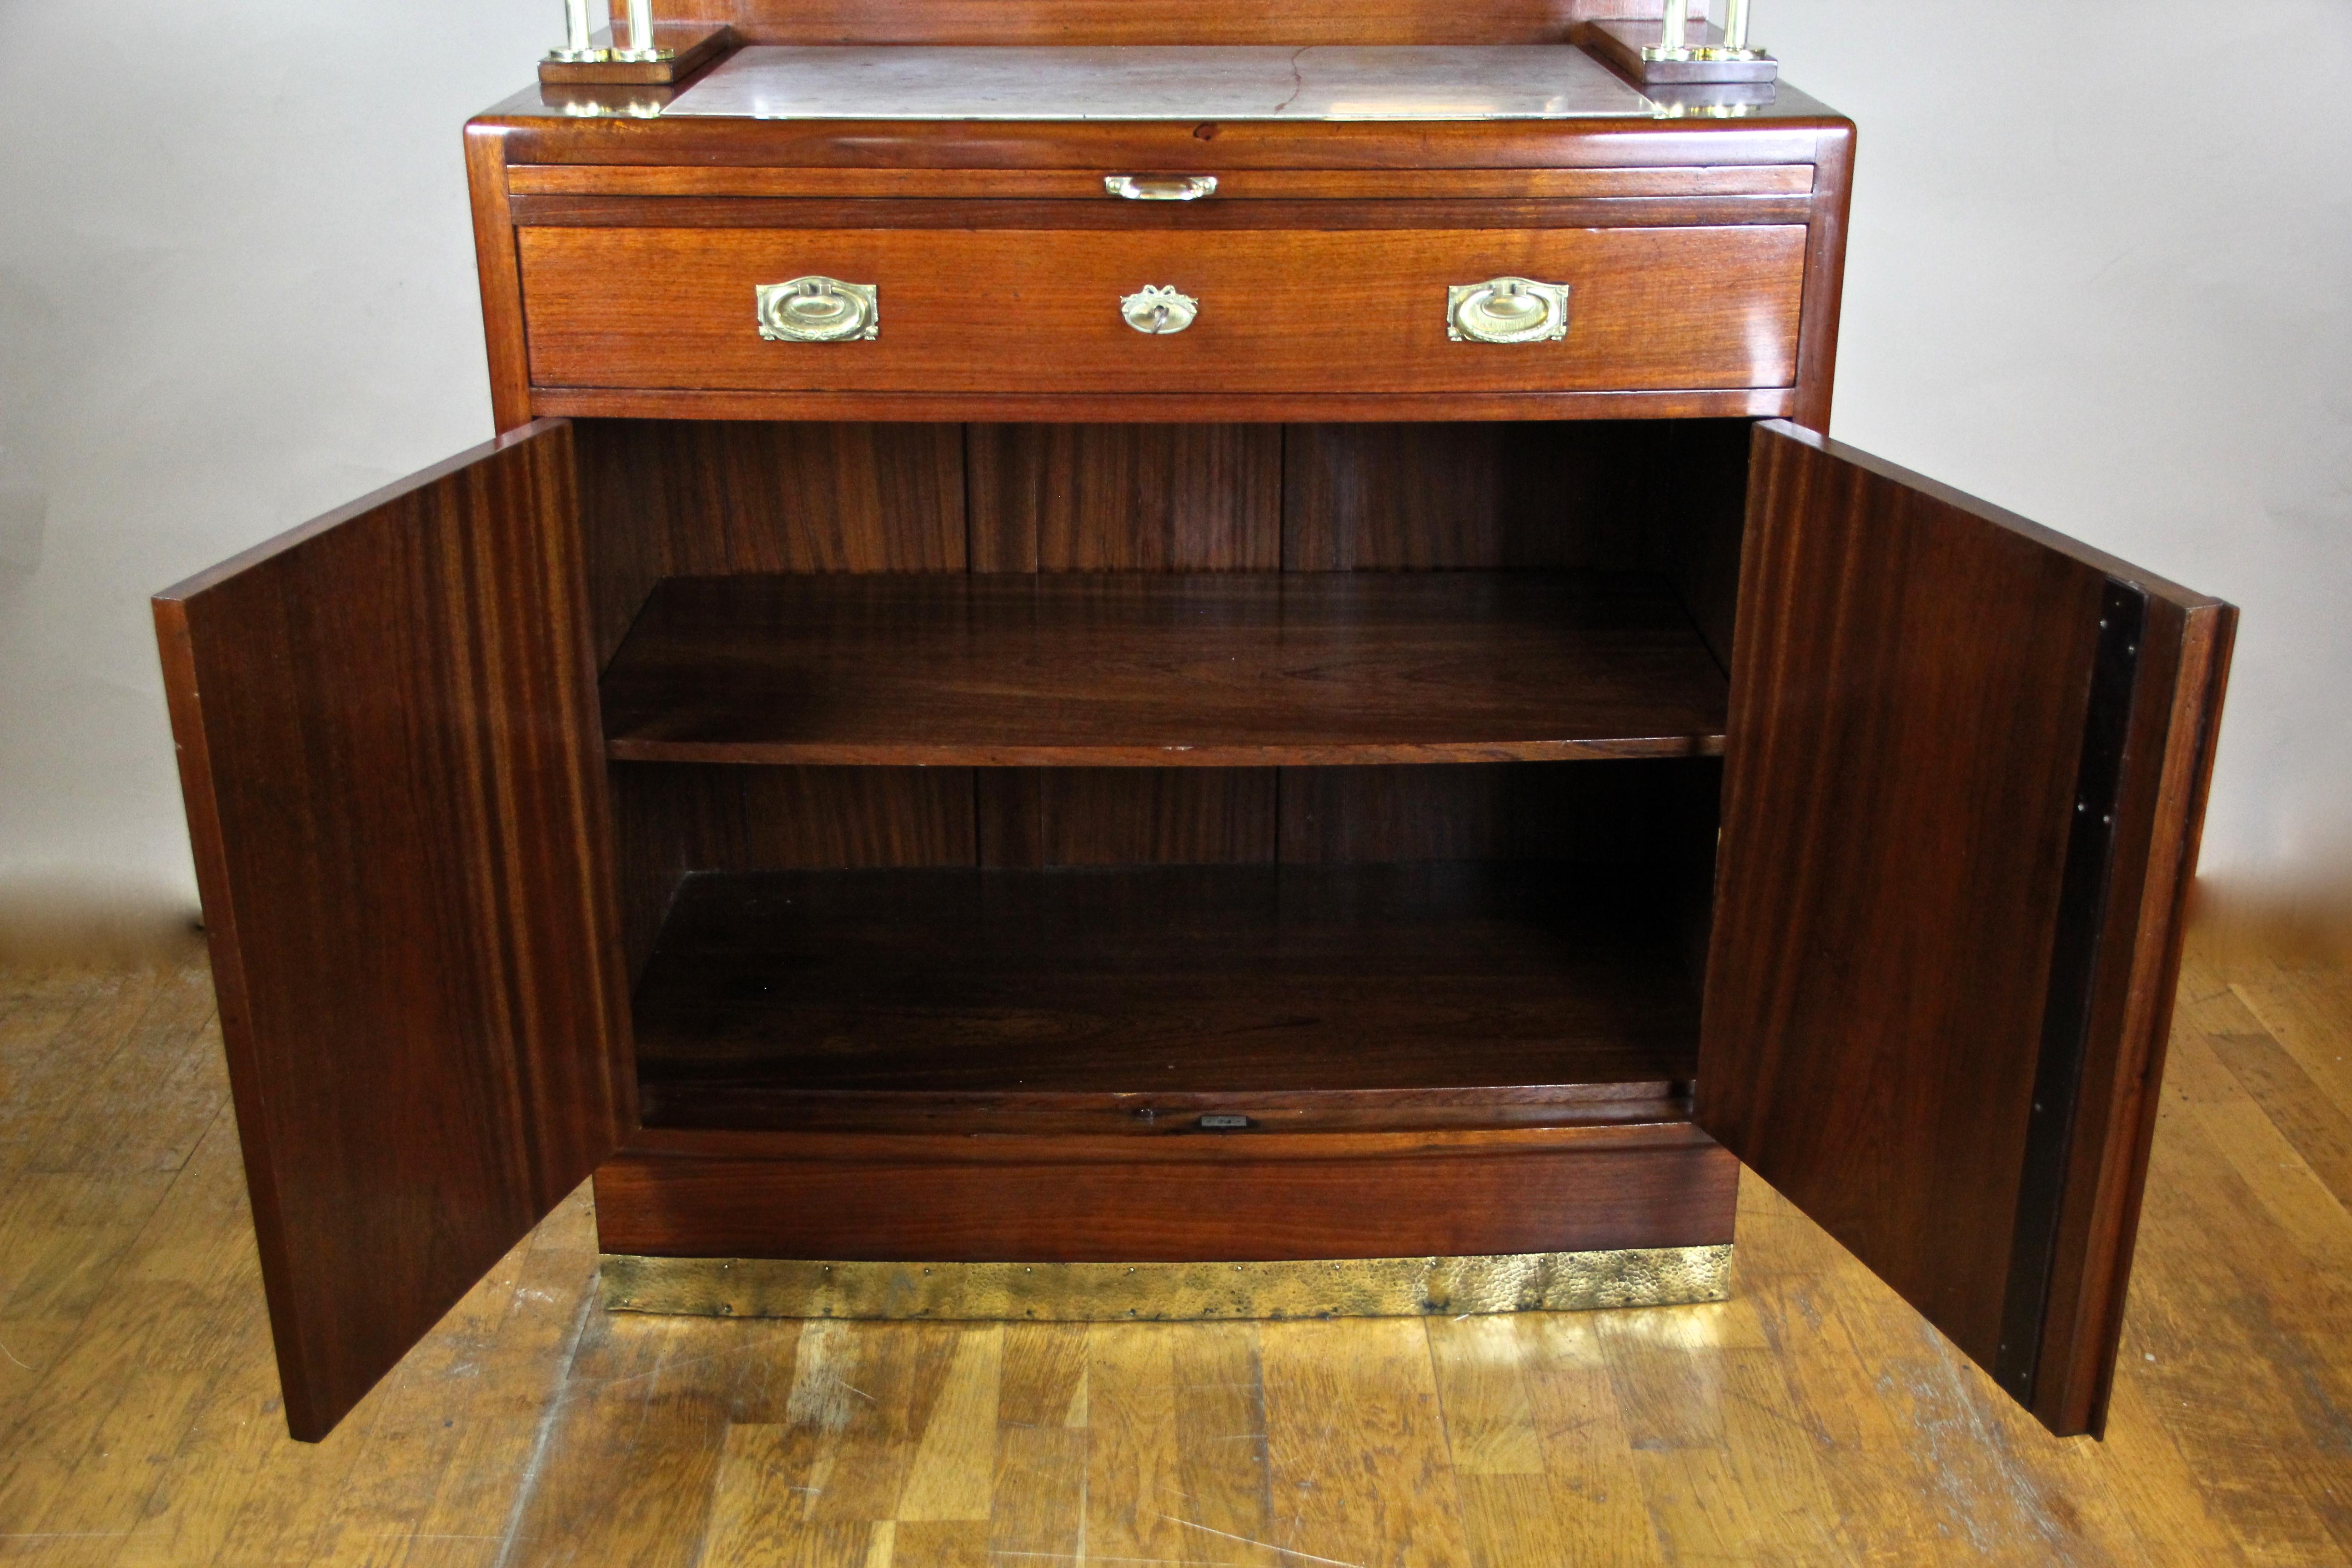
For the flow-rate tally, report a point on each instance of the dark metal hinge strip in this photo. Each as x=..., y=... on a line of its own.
x=2073, y=974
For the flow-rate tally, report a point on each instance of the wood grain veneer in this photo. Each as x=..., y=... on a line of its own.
x=1930, y=886
x=1122, y=1199
x=1618, y=495
x=1097, y=497
x=1162, y=407
x=661, y=498
x=1825, y=275
x=1161, y=669
x=2169, y=737
x=1074, y=987
x=387, y=731
x=503, y=331
x=1014, y=310
x=1628, y=814
x=1211, y=219
x=672, y=820
x=1086, y=185
x=1183, y=22
x=1126, y=816
x=671, y=497
x=546, y=126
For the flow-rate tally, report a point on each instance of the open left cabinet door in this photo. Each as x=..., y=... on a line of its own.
x=390, y=750
x=1965, y=769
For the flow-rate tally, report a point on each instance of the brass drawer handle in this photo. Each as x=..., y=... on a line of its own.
x=1507, y=310
x=1160, y=309
x=1161, y=187
x=816, y=310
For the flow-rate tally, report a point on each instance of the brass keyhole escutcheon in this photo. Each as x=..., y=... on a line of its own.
x=1159, y=310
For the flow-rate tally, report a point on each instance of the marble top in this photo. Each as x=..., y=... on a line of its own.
x=1320, y=83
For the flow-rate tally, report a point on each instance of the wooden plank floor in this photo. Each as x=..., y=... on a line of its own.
x=1812, y=1419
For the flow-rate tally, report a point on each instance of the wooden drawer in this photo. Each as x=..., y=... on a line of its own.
x=1280, y=310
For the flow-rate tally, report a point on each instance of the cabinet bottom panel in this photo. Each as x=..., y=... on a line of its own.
x=1166, y=1292
x=1277, y=1196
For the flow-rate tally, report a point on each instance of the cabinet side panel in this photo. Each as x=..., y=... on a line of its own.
x=1825, y=291
x=393, y=765
x=503, y=330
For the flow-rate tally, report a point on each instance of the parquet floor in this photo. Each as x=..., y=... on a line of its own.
x=1809, y=1420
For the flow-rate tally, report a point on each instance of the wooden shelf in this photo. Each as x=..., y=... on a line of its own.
x=1159, y=669
x=1392, y=995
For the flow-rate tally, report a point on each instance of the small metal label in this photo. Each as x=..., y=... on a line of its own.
x=1225, y=1122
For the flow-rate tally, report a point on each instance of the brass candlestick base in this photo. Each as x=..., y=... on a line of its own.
x=679, y=49
x=1638, y=50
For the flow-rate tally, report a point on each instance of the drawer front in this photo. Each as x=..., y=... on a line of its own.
x=1283, y=310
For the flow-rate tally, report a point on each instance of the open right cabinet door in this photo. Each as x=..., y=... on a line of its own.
x=1965, y=769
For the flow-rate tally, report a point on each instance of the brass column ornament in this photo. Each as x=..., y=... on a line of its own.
x=1674, y=33
x=642, y=49
x=1674, y=38
x=1735, y=30
x=1681, y=56
x=578, y=48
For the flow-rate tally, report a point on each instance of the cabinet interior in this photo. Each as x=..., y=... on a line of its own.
x=890, y=715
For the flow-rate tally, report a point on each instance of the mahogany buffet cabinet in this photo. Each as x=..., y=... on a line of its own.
x=1182, y=660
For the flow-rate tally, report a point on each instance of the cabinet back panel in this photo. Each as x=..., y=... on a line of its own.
x=1126, y=498
x=676, y=497
x=1615, y=814
x=1136, y=22
x=1111, y=816
x=1465, y=497
x=666, y=498
x=672, y=819
x=1609, y=495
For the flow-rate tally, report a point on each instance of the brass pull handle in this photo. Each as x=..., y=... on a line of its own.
x=1161, y=187
x=815, y=309
x=1507, y=310
x=1160, y=309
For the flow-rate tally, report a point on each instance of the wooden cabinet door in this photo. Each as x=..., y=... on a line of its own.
x=390, y=752
x=1965, y=769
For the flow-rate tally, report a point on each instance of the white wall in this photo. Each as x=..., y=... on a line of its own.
x=2101, y=273
x=2099, y=269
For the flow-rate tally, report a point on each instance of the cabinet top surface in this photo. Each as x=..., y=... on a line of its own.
x=1162, y=83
